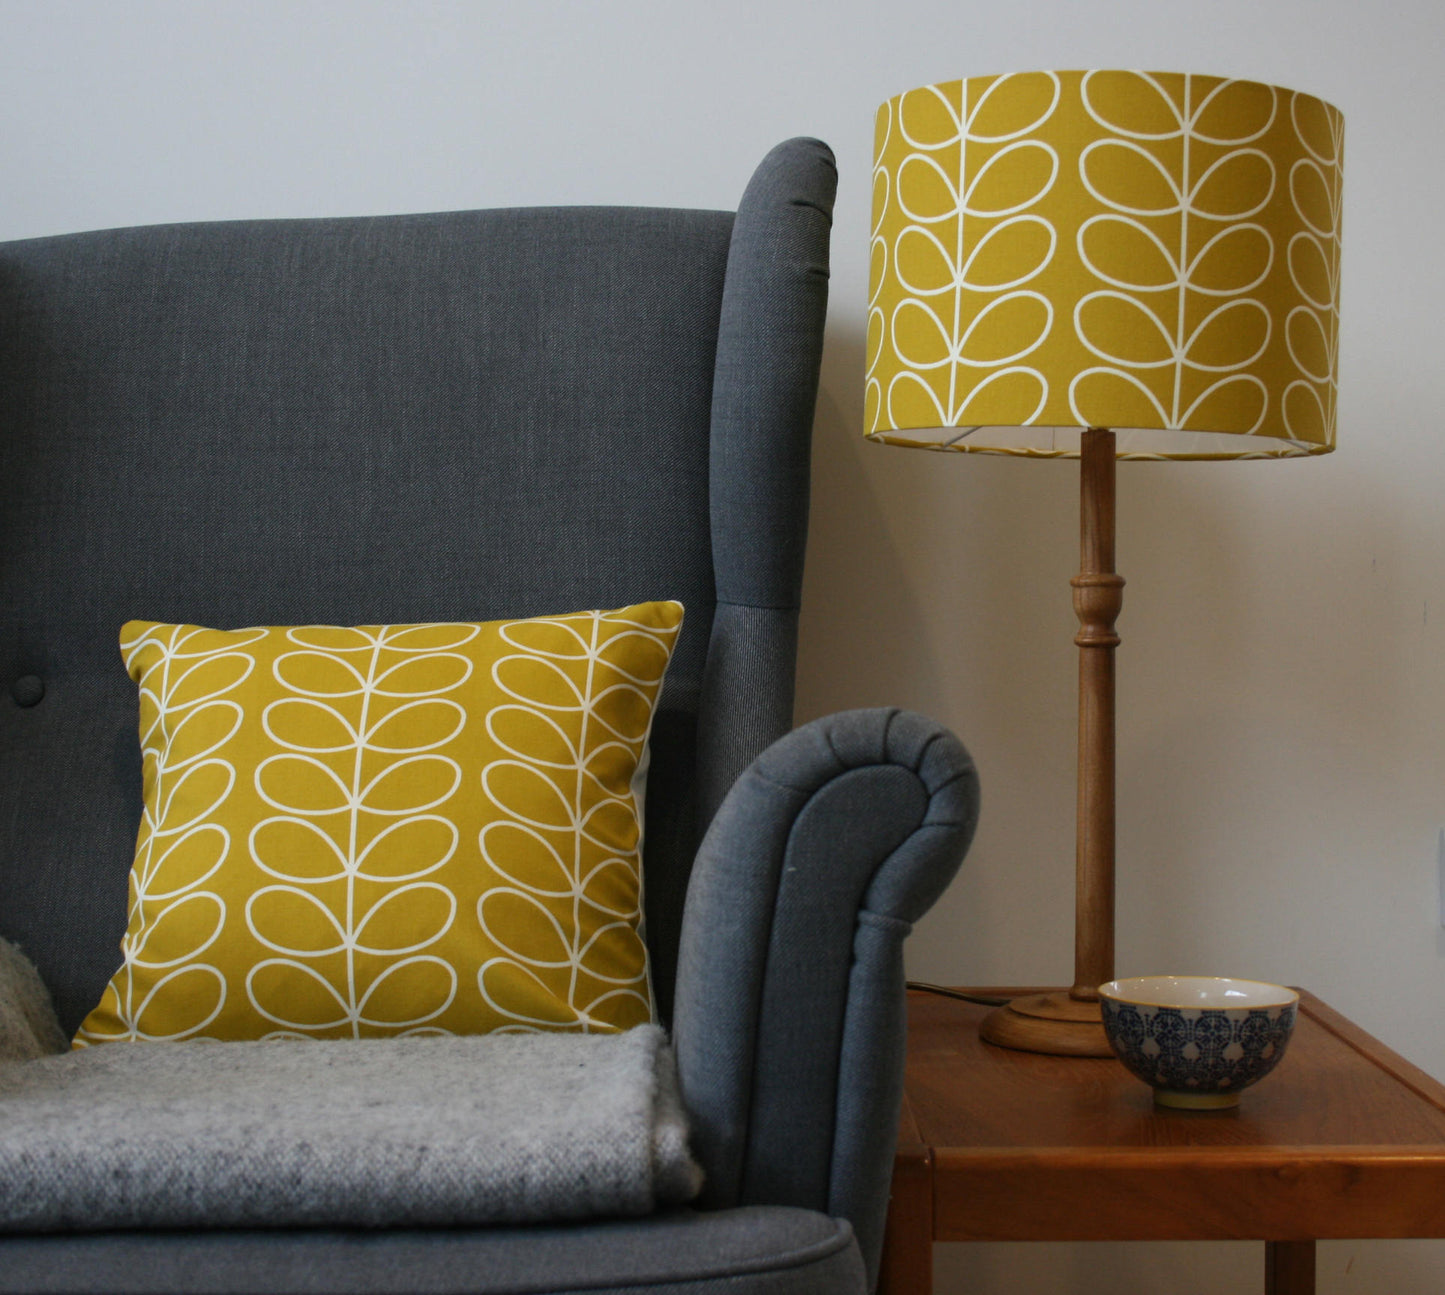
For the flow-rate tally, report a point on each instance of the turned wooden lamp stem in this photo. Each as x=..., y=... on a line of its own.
x=1098, y=597
x=1058, y=1023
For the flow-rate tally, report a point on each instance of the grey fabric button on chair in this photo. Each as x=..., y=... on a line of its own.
x=27, y=690
x=467, y=416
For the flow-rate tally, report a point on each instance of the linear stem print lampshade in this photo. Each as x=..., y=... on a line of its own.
x=1156, y=253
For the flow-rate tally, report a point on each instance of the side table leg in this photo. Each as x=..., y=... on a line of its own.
x=1289, y=1268
x=907, y=1263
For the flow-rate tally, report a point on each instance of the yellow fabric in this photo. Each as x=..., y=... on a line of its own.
x=389, y=830
x=1132, y=250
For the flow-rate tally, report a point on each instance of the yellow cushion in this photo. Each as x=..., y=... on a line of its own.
x=386, y=830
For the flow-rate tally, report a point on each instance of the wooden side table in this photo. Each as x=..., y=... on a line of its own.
x=1344, y=1139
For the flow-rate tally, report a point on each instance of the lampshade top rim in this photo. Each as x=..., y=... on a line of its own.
x=1112, y=71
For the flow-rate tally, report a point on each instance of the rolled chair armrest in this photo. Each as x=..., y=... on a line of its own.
x=789, y=1017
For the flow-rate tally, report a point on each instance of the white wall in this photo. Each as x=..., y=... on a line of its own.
x=1282, y=683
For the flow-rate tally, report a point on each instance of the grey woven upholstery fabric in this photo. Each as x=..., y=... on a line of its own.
x=769, y=350
x=754, y=1250
x=789, y=1021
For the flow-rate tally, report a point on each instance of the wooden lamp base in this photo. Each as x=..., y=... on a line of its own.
x=1055, y=1023
x=1068, y=1023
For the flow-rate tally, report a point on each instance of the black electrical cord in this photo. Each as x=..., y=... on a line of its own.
x=982, y=999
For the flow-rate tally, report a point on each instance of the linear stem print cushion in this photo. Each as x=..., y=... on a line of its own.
x=389, y=829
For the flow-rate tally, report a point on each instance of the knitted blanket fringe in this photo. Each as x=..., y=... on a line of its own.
x=452, y=1131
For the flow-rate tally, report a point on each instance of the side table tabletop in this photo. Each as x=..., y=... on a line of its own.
x=1345, y=1139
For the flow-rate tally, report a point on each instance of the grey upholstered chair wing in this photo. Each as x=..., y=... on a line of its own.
x=470, y=416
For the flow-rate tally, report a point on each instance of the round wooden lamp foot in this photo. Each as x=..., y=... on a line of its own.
x=1051, y=1023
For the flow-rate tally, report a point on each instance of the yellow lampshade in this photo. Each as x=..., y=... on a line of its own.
x=1152, y=252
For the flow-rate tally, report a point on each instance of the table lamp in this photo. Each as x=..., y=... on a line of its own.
x=1102, y=265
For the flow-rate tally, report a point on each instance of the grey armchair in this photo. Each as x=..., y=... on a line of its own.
x=464, y=416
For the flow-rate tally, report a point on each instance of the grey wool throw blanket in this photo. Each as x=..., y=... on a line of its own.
x=372, y=1132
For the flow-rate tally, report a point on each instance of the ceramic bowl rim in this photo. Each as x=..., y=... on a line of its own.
x=1119, y=991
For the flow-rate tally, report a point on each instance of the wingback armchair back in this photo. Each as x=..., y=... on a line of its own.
x=471, y=416
x=461, y=416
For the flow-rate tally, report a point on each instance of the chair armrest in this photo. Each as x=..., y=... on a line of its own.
x=789, y=1018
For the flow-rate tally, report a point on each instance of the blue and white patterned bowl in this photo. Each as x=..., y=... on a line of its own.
x=1198, y=1040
